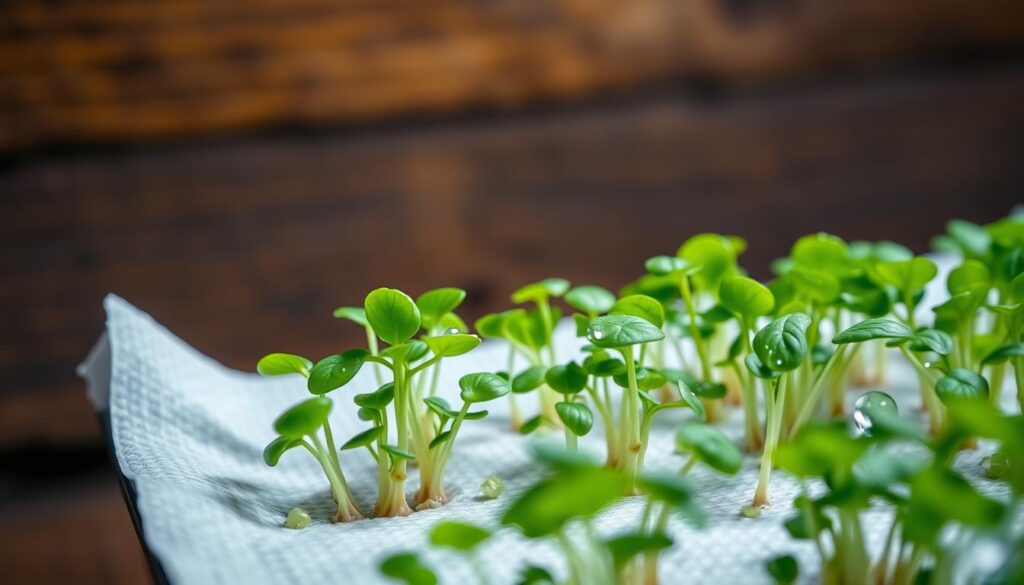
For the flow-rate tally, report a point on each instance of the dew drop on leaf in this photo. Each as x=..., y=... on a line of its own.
x=871, y=404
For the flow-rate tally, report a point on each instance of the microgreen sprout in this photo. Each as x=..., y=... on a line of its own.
x=779, y=349
x=531, y=332
x=859, y=468
x=302, y=426
x=747, y=300
x=492, y=488
x=622, y=333
x=476, y=388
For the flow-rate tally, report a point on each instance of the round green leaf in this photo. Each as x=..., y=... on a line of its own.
x=452, y=345
x=526, y=328
x=823, y=253
x=362, y=439
x=782, y=344
x=641, y=306
x=625, y=547
x=815, y=285
x=756, y=367
x=603, y=365
x=392, y=314
x=1001, y=354
x=335, y=371
x=483, y=386
x=746, y=297
x=932, y=340
x=621, y=331
x=662, y=265
x=970, y=238
x=590, y=299
x=408, y=568
x=491, y=326
x=576, y=417
x=547, y=288
x=273, y=451
x=435, y=304
x=458, y=535
x=715, y=254
x=452, y=323
x=528, y=379
x=692, y=400
x=278, y=364
x=409, y=351
x=440, y=406
x=711, y=446
x=304, y=418
x=961, y=383
x=873, y=329
x=908, y=276
x=646, y=379
x=970, y=276
x=567, y=379
x=783, y=569
x=554, y=501
x=355, y=314
x=378, y=399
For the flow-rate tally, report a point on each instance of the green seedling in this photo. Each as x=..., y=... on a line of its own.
x=400, y=429
x=622, y=333
x=576, y=490
x=779, y=348
x=747, y=300
x=475, y=389
x=530, y=336
x=704, y=444
x=408, y=568
x=696, y=273
x=302, y=426
x=857, y=469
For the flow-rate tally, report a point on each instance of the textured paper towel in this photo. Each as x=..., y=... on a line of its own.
x=189, y=433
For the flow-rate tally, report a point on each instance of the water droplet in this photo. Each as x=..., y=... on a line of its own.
x=452, y=331
x=598, y=334
x=778, y=362
x=871, y=404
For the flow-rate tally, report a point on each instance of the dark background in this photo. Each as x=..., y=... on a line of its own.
x=238, y=169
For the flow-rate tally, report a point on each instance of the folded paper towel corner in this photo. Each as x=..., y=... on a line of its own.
x=188, y=434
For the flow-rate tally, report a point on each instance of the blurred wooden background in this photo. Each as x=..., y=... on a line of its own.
x=239, y=169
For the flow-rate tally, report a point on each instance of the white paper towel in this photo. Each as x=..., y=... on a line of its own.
x=189, y=433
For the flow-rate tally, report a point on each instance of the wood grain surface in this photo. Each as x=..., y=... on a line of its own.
x=123, y=70
x=245, y=246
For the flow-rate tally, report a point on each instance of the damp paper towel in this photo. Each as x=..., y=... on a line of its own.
x=189, y=433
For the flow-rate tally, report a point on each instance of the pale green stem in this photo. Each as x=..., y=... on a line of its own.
x=841, y=357
x=371, y=343
x=932, y=403
x=698, y=342
x=775, y=406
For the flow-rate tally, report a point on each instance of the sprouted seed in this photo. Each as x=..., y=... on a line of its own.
x=297, y=519
x=492, y=488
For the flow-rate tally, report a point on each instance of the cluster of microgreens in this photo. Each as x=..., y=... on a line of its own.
x=425, y=425
x=695, y=332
